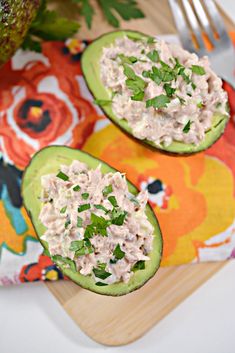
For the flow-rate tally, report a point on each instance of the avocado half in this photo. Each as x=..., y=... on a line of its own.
x=16, y=17
x=47, y=161
x=91, y=71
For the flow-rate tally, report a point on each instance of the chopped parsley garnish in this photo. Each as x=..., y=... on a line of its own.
x=89, y=231
x=101, y=284
x=67, y=223
x=118, y=253
x=128, y=72
x=63, y=209
x=113, y=201
x=151, y=40
x=81, y=247
x=107, y=190
x=198, y=70
x=135, y=83
x=100, y=272
x=62, y=176
x=187, y=127
x=66, y=261
x=158, y=102
x=79, y=222
x=140, y=265
x=118, y=217
x=200, y=105
x=138, y=96
x=99, y=225
x=84, y=207
x=169, y=90
x=101, y=207
x=193, y=85
x=127, y=59
x=182, y=100
x=85, y=195
x=76, y=188
x=153, y=56
x=102, y=102
x=189, y=94
x=218, y=105
x=142, y=51
x=183, y=74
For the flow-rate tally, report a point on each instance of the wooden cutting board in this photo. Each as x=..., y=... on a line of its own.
x=121, y=320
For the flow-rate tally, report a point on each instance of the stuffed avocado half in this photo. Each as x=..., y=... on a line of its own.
x=48, y=162
x=163, y=82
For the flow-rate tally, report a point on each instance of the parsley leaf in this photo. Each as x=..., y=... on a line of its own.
x=100, y=272
x=158, y=102
x=118, y=253
x=169, y=90
x=107, y=190
x=127, y=59
x=79, y=222
x=84, y=207
x=76, y=188
x=98, y=226
x=66, y=261
x=85, y=195
x=63, y=209
x=101, y=207
x=86, y=10
x=153, y=56
x=67, y=223
x=198, y=70
x=140, y=265
x=118, y=217
x=134, y=83
x=81, y=247
x=187, y=127
x=182, y=100
x=113, y=201
x=183, y=74
x=127, y=9
x=128, y=72
x=31, y=44
x=200, y=105
x=62, y=176
x=138, y=96
x=49, y=25
x=101, y=284
x=151, y=40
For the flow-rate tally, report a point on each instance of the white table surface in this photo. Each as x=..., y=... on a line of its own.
x=32, y=321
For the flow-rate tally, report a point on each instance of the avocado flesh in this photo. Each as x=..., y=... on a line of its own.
x=47, y=161
x=91, y=70
x=16, y=17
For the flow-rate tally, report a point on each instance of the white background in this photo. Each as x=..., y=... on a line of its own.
x=32, y=321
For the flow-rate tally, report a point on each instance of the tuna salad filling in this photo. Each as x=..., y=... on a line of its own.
x=93, y=224
x=164, y=92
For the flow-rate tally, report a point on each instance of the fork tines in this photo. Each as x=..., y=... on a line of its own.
x=198, y=22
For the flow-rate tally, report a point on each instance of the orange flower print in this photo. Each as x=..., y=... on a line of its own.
x=42, y=105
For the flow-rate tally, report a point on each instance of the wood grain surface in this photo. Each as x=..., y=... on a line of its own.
x=121, y=320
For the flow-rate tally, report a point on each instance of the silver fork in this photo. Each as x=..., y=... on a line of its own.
x=191, y=18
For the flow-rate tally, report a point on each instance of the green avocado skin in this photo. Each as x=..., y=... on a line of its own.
x=91, y=71
x=15, y=19
x=48, y=160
